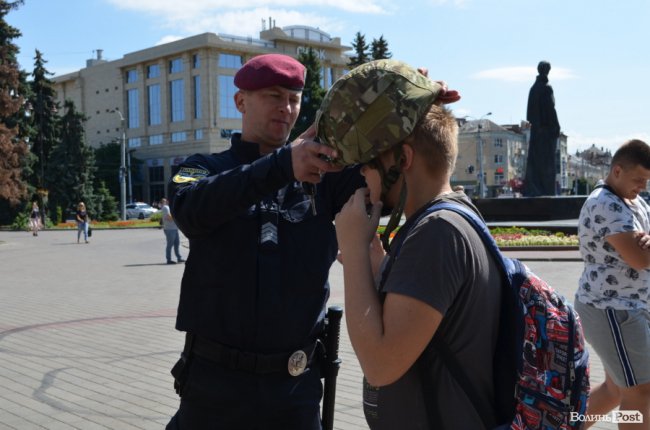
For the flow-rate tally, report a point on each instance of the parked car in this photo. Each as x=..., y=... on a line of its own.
x=139, y=210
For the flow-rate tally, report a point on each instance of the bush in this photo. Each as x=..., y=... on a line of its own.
x=156, y=217
x=519, y=230
x=21, y=222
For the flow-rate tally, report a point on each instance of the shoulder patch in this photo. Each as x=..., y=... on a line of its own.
x=189, y=174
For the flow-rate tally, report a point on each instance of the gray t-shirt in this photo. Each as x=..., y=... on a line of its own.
x=443, y=263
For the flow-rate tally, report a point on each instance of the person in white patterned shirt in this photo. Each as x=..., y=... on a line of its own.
x=612, y=297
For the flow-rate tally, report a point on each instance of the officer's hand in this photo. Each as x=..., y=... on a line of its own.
x=309, y=158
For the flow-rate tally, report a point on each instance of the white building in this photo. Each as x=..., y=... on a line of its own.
x=177, y=98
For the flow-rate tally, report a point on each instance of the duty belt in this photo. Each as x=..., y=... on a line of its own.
x=295, y=363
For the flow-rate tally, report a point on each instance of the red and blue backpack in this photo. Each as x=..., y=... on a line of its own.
x=541, y=364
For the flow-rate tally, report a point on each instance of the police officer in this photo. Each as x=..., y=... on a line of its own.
x=262, y=242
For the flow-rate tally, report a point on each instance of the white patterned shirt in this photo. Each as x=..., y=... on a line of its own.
x=607, y=280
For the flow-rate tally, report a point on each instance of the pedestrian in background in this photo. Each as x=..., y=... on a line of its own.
x=35, y=219
x=82, y=221
x=613, y=293
x=171, y=233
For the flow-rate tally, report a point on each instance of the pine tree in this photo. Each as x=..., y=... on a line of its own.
x=44, y=119
x=361, y=49
x=379, y=49
x=312, y=95
x=71, y=168
x=13, y=149
x=105, y=205
x=107, y=160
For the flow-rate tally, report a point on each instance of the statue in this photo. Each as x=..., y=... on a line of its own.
x=544, y=134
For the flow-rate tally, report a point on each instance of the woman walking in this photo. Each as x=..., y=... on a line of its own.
x=82, y=221
x=35, y=219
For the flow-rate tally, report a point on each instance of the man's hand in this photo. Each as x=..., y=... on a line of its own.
x=309, y=158
x=643, y=239
x=355, y=231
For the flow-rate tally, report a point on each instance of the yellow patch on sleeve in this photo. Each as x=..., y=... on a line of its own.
x=189, y=174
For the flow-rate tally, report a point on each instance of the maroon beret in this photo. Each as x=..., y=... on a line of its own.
x=269, y=70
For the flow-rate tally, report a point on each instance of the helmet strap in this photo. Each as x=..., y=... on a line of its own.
x=388, y=179
x=395, y=217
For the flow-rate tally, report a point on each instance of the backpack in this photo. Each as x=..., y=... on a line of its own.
x=541, y=364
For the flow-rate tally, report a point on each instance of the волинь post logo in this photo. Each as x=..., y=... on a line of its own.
x=630, y=417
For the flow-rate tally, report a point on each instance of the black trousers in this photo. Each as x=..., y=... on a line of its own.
x=216, y=398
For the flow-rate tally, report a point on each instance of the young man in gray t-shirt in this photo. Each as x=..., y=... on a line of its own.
x=444, y=280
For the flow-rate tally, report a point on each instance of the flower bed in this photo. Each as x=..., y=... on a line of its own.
x=517, y=236
x=132, y=223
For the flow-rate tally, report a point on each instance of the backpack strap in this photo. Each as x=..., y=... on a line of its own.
x=505, y=264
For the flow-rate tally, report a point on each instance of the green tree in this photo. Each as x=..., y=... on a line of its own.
x=361, y=51
x=13, y=148
x=71, y=168
x=44, y=119
x=107, y=161
x=312, y=95
x=105, y=205
x=379, y=49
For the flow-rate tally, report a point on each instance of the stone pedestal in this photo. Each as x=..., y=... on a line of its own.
x=530, y=208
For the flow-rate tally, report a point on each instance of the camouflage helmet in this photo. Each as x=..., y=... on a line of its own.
x=372, y=108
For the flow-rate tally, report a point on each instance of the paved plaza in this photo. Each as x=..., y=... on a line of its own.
x=87, y=332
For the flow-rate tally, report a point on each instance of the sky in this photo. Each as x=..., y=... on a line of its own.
x=488, y=50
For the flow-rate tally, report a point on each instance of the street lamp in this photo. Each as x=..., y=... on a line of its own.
x=128, y=168
x=481, y=171
x=122, y=166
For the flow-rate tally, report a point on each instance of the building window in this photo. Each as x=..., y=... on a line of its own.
x=153, y=71
x=196, y=61
x=131, y=76
x=156, y=139
x=230, y=61
x=177, y=100
x=498, y=143
x=176, y=65
x=156, y=173
x=154, y=104
x=324, y=74
x=227, y=90
x=499, y=176
x=498, y=158
x=197, y=96
x=156, y=192
x=198, y=134
x=134, y=142
x=134, y=117
x=179, y=136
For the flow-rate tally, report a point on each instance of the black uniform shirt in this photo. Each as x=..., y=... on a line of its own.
x=256, y=275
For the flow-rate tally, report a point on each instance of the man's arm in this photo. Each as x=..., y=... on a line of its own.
x=387, y=338
x=225, y=190
x=632, y=246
